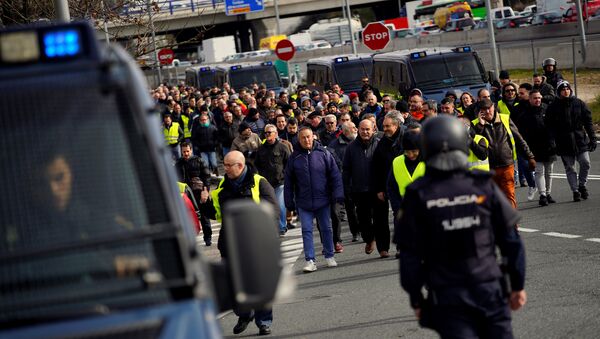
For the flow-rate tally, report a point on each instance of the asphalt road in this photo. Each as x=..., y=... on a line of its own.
x=362, y=298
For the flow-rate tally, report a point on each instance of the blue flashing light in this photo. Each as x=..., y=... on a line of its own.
x=267, y=63
x=204, y=69
x=236, y=67
x=418, y=55
x=61, y=44
x=464, y=49
x=341, y=59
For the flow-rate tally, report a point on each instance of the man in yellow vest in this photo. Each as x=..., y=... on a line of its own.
x=478, y=148
x=406, y=168
x=241, y=181
x=173, y=135
x=504, y=143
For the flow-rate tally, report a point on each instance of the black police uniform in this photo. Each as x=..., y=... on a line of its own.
x=451, y=222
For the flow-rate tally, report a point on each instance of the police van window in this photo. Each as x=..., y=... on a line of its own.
x=349, y=74
x=73, y=183
x=449, y=69
x=403, y=73
x=206, y=79
x=244, y=77
x=464, y=68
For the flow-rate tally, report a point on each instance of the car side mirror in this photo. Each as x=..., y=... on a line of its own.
x=249, y=277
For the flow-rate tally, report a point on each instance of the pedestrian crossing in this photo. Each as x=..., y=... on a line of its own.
x=291, y=244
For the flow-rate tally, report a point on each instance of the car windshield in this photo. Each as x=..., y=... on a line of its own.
x=349, y=74
x=245, y=77
x=455, y=69
x=80, y=214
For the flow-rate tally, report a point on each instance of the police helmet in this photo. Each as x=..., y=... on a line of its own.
x=445, y=143
x=549, y=62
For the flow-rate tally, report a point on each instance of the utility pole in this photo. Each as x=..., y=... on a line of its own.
x=276, y=3
x=493, y=47
x=61, y=7
x=581, y=30
x=105, y=26
x=349, y=15
x=157, y=62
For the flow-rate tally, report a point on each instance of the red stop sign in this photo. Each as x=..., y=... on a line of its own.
x=285, y=50
x=166, y=56
x=376, y=36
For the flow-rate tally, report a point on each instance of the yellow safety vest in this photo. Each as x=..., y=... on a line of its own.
x=473, y=161
x=171, y=134
x=181, y=186
x=506, y=122
x=186, y=129
x=403, y=178
x=503, y=109
x=215, y=194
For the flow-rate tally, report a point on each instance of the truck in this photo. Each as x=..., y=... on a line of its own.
x=95, y=241
x=553, y=5
x=216, y=49
x=455, y=11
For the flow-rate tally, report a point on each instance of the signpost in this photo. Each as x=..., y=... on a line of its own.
x=285, y=50
x=376, y=36
x=236, y=7
x=166, y=56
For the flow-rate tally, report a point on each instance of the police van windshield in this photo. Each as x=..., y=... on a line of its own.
x=206, y=79
x=260, y=75
x=349, y=74
x=456, y=69
x=81, y=216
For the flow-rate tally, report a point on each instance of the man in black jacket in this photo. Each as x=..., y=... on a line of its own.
x=372, y=213
x=569, y=122
x=547, y=91
x=389, y=147
x=205, y=139
x=271, y=159
x=227, y=132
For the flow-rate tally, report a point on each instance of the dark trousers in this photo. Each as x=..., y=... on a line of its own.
x=204, y=221
x=351, y=215
x=373, y=219
x=336, y=225
x=261, y=317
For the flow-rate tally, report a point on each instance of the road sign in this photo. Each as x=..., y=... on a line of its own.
x=285, y=50
x=376, y=36
x=236, y=7
x=166, y=56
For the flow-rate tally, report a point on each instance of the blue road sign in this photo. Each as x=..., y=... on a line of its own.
x=236, y=7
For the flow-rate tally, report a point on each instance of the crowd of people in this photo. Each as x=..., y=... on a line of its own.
x=335, y=156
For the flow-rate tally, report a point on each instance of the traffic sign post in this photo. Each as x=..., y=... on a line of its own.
x=236, y=7
x=376, y=36
x=166, y=56
x=285, y=50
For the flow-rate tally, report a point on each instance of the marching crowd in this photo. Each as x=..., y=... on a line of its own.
x=334, y=156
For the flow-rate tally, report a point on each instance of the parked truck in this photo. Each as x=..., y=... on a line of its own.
x=216, y=49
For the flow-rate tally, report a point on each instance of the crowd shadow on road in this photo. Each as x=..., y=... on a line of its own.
x=339, y=280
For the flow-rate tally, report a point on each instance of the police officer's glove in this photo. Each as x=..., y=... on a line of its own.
x=592, y=145
x=532, y=164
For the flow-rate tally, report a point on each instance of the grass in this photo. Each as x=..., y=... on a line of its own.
x=595, y=108
x=589, y=76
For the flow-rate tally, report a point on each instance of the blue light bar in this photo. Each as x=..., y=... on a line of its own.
x=236, y=67
x=267, y=63
x=418, y=55
x=341, y=59
x=204, y=69
x=464, y=49
x=61, y=44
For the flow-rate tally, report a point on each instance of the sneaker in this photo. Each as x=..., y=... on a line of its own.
x=338, y=247
x=310, y=266
x=550, y=199
x=208, y=243
x=531, y=193
x=355, y=237
x=282, y=232
x=370, y=247
x=290, y=226
x=264, y=330
x=543, y=200
x=576, y=196
x=584, y=192
x=331, y=262
x=384, y=254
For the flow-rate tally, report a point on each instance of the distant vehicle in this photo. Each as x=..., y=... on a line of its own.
x=480, y=24
x=454, y=11
x=217, y=49
x=344, y=70
x=589, y=9
x=503, y=13
x=246, y=74
x=513, y=22
x=596, y=16
x=460, y=25
x=206, y=76
x=529, y=10
x=259, y=53
x=433, y=71
x=270, y=42
x=546, y=18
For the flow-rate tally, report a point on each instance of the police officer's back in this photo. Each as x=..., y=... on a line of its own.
x=451, y=221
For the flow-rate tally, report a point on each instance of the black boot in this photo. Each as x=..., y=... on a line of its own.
x=241, y=325
x=543, y=200
x=584, y=192
x=576, y=196
x=550, y=199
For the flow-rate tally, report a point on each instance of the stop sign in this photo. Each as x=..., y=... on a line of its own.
x=285, y=50
x=166, y=56
x=376, y=36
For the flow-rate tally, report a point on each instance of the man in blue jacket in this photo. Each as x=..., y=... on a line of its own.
x=312, y=183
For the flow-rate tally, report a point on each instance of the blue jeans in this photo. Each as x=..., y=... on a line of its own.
x=261, y=317
x=323, y=216
x=210, y=158
x=525, y=172
x=279, y=195
x=226, y=150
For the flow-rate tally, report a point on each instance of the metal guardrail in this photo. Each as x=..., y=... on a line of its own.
x=172, y=6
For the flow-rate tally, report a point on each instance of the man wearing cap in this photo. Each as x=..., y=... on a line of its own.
x=331, y=131
x=504, y=78
x=569, y=123
x=255, y=121
x=246, y=142
x=504, y=143
x=315, y=121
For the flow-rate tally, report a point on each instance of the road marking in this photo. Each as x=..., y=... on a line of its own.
x=291, y=242
x=527, y=230
x=564, y=176
x=291, y=247
x=562, y=235
x=593, y=239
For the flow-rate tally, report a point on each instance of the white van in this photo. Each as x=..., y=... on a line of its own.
x=502, y=13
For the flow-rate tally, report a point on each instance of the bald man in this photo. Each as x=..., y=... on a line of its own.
x=241, y=181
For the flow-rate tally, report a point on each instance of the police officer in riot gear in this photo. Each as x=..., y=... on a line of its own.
x=553, y=77
x=451, y=221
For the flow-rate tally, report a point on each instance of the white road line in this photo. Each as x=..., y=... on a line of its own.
x=593, y=239
x=291, y=242
x=527, y=230
x=562, y=235
x=291, y=247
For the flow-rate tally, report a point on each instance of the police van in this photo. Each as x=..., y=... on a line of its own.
x=433, y=71
x=246, y=74
x=95, y=240
x=206, y=76
x=344, y=70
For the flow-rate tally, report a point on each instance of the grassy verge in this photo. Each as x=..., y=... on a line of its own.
x=595, y=108
x=584, y=75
